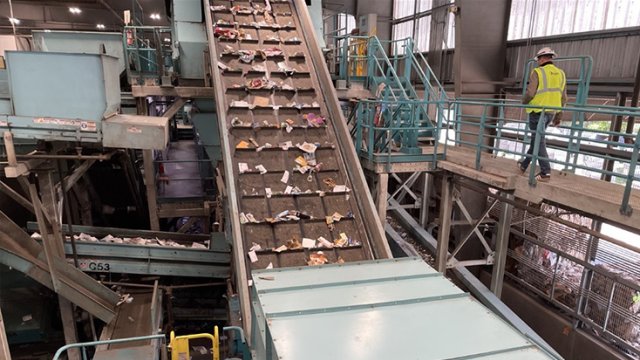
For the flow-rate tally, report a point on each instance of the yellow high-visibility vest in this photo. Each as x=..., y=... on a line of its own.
x=551, y=84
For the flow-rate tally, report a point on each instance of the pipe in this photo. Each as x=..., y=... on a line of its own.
x=101, y=157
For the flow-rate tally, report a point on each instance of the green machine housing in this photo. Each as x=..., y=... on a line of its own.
x=74, y=97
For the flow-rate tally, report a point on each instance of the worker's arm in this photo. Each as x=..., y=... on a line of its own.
x=532, y=87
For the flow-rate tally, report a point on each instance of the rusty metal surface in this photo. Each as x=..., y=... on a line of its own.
x=264, y=124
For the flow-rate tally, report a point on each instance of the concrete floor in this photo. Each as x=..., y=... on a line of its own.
x=182, y=178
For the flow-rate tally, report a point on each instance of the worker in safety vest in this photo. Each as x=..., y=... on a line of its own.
x=547, y=88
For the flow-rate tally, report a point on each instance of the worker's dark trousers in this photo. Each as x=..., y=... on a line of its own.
x=534, y=117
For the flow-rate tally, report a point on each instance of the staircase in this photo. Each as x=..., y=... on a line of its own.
x=409, y=107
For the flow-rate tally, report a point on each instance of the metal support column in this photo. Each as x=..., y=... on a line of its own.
x=426, y=197
x=444, y=228
x=69, y=327
x=381, y=196
x=4, y=344
x=502, y=246
x=149, y=173
x=150, y=183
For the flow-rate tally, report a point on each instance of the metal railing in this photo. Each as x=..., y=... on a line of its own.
x=83, y=346
x=574, y=271
x=498, y=127
x=382, y=127
x=147, y=54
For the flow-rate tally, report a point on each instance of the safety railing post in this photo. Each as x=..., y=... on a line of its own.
x=480, y=144
x=344, y=59
x=358, y=124
x=499, y=125
x=371, y=129
x=625, y=208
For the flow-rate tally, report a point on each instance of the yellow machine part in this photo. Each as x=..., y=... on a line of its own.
x=358, y=51
x=180, y=345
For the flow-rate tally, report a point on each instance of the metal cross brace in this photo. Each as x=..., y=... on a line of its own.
x=490, y=252
x=405, y=188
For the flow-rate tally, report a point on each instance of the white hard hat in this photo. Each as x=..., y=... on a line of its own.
x=546, y=51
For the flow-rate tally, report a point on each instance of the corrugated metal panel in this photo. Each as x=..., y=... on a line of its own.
x=613, y=57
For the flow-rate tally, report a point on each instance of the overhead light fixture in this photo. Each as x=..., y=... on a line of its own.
x=155, y=16
x=47, y=30
x=167, y=40
x=14, y=21
x=100, y=26
x=75, y=10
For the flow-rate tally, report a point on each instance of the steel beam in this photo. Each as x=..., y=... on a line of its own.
x=502, y=246
x=7, y=190
x=173, y=109
x=474, y=226
x=444, y=229
x=10, y=149
x=180, y=91
x=72, y=179
x=4, y=344
x=150, y=183
x=381, y=195
x=47, y=239
x=69, y=327
x=426, y=198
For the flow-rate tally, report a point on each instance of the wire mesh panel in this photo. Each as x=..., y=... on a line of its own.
x=590, y=278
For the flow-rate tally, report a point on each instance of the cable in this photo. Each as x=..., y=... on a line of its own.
x=13, y=25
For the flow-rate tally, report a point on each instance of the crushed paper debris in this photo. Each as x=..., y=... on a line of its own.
x=125, y=298
x=110, y=239
x=280, y=248
x=293, y=244
x=252, y=256
x=317, y=258
x=308, y=243
x=285, y=177
x=261, y=169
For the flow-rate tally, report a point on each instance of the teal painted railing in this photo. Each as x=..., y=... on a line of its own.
x=381, y=127
x=83, y=346
x=147, y=54
x=388, y=129
x=500, y=127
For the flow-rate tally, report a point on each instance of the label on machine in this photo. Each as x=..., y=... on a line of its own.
x=94, y=265
x=89, y=126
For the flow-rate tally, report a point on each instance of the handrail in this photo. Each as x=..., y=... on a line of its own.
x=84, y=345
x=503, y=132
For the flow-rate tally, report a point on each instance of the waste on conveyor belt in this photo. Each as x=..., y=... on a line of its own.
x=110, y=239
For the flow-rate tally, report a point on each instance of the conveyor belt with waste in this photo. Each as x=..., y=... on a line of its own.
x=292, y=171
